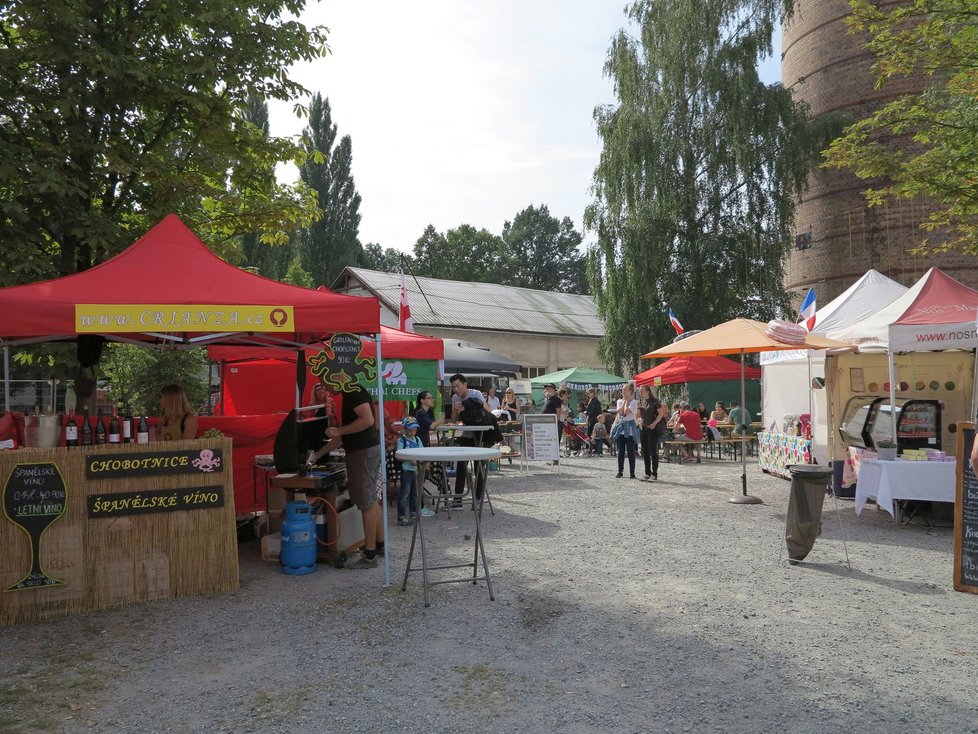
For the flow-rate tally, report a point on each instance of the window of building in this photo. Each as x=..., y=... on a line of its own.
x=530, y=372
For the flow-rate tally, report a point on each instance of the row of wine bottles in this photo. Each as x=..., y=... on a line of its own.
x=117, y=429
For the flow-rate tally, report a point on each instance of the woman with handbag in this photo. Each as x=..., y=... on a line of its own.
x=626, y=428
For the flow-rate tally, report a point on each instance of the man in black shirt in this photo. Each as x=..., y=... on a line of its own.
x=593, y=409
x=361, y=442
x=554, y=405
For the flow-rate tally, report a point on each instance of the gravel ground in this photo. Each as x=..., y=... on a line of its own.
x=620, y=606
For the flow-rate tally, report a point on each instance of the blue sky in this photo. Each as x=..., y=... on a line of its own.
x=464, y=111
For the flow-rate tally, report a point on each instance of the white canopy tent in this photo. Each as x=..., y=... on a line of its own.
x=787, y=376
x=937, y=313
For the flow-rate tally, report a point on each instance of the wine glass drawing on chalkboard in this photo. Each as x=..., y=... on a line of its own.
x=33, y=498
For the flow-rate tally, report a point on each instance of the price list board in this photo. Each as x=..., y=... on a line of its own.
x=966, y=514
x=541, y=441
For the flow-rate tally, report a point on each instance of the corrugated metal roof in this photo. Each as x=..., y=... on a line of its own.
x=485, y=306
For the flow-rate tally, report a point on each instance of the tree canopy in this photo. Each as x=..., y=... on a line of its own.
x=116, y=114
x=332, y=242
x=542, y=252
x=699, y=170
x=937, y=39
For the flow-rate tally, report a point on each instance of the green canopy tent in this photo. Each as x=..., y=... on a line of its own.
x=577, y=380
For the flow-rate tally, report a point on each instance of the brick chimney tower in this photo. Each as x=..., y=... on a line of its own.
x=837, y=237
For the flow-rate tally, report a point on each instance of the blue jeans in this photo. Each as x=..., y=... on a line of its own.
x=409, y=491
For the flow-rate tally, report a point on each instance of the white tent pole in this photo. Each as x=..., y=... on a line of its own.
x=893, y=418
x=383, y=459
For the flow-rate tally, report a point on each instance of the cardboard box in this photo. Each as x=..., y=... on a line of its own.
x=271, y=547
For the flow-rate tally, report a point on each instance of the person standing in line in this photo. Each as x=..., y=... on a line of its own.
x=593, y=409
x=408, y=493
x=460, y=393
x=627, y=412
x=554, y=406
x=361, y=441
x=425, y=417
x=652, y=414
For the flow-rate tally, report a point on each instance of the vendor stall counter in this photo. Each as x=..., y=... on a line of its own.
x=101, y=526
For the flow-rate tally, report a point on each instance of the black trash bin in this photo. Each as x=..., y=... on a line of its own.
x=803, y=522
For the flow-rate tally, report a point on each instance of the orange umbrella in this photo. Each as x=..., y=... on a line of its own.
x=740, y=336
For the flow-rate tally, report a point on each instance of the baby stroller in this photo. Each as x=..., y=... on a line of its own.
x=576, y=441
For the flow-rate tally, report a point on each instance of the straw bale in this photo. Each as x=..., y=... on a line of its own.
x=122, y=559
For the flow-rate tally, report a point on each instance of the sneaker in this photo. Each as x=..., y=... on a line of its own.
x=647, y=477
x=631, y=476
x=456, y=503
x=655, y=478
x=618, y=475
x=405, y=521
x=362, y=562
x=426, y=512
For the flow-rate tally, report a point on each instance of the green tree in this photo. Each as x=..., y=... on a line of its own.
x=136, y=375
x=374, y=257
x=938, y=39
x=297, y=275
x=116, y=114
x=271, y=259
x=464, y=254
x=332, y=243
x=700, y=167
x=543, y=252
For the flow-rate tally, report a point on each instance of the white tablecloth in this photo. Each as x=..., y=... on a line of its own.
x=887, y=481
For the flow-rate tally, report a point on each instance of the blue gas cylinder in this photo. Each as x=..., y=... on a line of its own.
x=298, y=554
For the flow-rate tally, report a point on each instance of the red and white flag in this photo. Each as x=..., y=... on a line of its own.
x=405, y=322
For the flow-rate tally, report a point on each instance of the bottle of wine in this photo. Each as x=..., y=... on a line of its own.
x=86, y=432
x=142, y=433
x=71, y=430
x=127, y=426
x=100, y=434
x=115, y=428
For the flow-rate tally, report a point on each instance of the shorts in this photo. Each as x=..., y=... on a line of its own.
x=363, y=476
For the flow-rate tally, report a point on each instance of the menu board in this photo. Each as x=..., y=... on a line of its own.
x=541, y=441
x=34, y=496
x=966, y=515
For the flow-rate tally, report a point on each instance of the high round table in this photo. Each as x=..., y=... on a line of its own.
x=480, y=459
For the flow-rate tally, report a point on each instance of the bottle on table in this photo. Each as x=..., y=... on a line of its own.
x=100, y=435
x=86, y=431
x=142, y=432
x=127, y=429
x=115, y=427
x=71, y=430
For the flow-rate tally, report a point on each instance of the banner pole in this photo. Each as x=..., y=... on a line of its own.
x=383, y=459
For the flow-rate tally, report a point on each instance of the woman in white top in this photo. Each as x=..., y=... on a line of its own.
x=625, y=413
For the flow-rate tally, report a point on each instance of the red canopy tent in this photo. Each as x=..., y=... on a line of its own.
x=695, y=369
x=169, y=290
x=262, y=379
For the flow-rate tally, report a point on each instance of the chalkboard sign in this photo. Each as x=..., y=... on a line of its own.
x=34, y=496
x=966, y=515
x=341, y=363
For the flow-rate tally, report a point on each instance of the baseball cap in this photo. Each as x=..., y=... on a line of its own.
x=409, y=423
x=550, y=385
